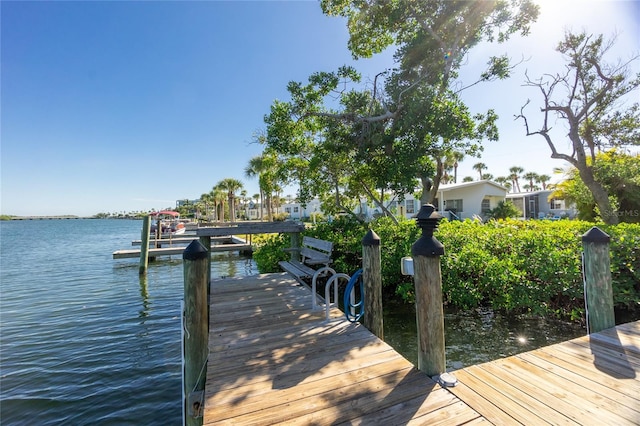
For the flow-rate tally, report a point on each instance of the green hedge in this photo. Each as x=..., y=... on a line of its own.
x=515, y=266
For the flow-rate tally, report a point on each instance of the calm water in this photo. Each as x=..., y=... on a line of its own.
x=476, y=336
x=85, y=341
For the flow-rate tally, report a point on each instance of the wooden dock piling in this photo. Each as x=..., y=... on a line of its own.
x=196, y=331
x=597, y=278
x=144, y=249
x=426, y=252
x=372, y=279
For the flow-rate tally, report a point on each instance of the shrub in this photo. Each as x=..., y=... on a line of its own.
x=504, y=210
x=510, y=265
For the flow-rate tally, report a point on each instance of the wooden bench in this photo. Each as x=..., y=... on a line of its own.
x=315, y=257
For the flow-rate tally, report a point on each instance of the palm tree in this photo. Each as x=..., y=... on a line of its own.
x=515, y=171
x=504, y=181
x=218, y=197
x=457, y=157
x=244, y=199
x=231, y=186
x=265, y=167
x=531, y=176
x=467, y=179
x=542, y=180
x=206, y=199
x=480, y=167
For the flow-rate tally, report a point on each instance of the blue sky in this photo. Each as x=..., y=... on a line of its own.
x=122, y=106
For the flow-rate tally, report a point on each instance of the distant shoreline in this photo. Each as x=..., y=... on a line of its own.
x=59, y=217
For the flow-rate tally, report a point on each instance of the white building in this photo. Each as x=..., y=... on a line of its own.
x=538, y=205
x=467, y=200
x=296, y=211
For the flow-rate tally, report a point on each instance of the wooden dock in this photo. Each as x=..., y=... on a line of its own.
x=274, y=360
x=177, y=247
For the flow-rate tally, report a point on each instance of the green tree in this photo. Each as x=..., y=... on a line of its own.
x=516, y=171
x=531, y=177
x=265, y=167
x=230, y=186
x=542, y=180
x=504, y=181
x=479, y=167
x=376, y=143
x=206, y=200
x=587, y=96
x=504, y=210
x=620, y=176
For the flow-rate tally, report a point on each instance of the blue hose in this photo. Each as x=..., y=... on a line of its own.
x=358, y=308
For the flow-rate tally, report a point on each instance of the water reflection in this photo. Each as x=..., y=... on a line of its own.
x=144, y=295
x=476, y=336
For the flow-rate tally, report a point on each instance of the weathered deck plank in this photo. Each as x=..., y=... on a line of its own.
x=274, y=360
x=589, y=380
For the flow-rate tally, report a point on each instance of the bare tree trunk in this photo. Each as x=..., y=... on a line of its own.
x=600, y=196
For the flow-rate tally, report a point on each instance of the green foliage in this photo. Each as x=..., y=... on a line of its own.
x=619, y=173
x=504, y=210
x=510, y=265
x=269, y=250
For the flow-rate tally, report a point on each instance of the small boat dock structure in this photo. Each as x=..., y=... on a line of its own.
x=218, y=238
x=272, y=359
x=176, y=245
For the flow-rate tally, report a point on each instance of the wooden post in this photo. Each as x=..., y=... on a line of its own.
x=372, y=280
x=206, y=243
x=158, y=233
x=144, y=248
x=195, y=342
x=295, y=246
x=597, y=280
x=426, y=252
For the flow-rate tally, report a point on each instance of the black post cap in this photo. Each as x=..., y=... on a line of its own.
x=427, y=245
x=596, y=235
x=195, y=251
x=371, y=239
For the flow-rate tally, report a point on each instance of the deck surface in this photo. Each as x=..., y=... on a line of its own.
x=273, y=360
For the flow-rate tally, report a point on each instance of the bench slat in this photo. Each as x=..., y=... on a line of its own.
x=315, y=243
x=314, y=256
x=314, y=252
x=297, y=269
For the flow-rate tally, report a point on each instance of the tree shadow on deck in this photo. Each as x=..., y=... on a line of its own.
x=271, y=354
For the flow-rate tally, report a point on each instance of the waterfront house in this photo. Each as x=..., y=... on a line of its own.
x=539, y=205
x=468, y=200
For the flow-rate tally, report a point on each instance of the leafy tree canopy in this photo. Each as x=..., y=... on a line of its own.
x=620, y=175
x=381, y=141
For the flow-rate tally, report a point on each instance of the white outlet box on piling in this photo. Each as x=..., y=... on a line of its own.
x=406, y=265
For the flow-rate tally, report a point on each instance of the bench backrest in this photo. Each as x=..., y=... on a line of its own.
x=316, y=249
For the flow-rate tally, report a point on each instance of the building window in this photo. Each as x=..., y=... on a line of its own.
x=287, y=209
x=296, y=209
x=519, y=203
x=454, y=205
x=485, y=207
x=556, y=204
x=411, y=206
